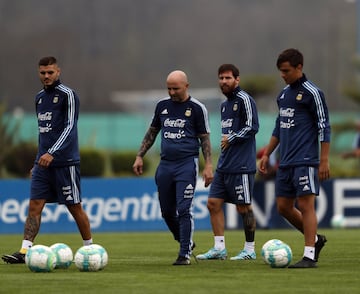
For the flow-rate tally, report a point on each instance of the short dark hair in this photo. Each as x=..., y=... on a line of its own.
x=229, y=67
x=291, y=55
x=48, y=60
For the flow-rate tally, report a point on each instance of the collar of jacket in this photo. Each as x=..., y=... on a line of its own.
x=298, y=82
x=233, y=94
x=52, y=87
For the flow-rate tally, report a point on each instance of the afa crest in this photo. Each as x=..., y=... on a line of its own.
x=188, y=112
x=299, y=96
x=235, y=107
x=56, y=99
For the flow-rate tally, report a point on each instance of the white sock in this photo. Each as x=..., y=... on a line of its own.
x=249, y=247
x=219, y=242
x=87, y=242
x=26, y=244
x=309, y=252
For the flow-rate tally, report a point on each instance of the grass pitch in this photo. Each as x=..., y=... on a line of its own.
x=142, y=263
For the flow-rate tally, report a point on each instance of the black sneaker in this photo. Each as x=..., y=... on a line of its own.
x=320, y=243
x=182, y=260
x=304, y=263
x=16, y=257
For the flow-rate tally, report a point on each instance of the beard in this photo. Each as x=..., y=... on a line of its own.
x=225, y=89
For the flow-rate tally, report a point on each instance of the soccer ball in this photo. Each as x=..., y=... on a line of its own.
x=272, y=242
x=338, y=221
x=63, y=253
x=91, y=258
x=104, y=255
x=278, y=254
x=40, y=258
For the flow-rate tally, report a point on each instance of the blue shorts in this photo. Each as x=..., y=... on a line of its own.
x=56, y=184
x=232, y=188
x=297, y=181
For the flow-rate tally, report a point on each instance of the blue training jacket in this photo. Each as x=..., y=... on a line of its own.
x=239, y=120
x=302, y=122
x=57, y=110
x=181, y=123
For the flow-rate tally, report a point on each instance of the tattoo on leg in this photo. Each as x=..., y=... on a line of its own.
x=31, y=229
x=249, y=225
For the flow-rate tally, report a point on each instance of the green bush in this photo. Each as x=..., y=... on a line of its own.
x=344, y=168
x=19, y=159
x=9, y=130
x=92, y=163
x=122, y=162
x=353, y=93
x=257, y=85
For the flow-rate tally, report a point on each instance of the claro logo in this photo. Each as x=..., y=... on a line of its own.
x=99, y=210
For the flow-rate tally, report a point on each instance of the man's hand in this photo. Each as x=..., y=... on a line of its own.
x=263, y=164
x=208, y=175
x=224, y=142
x=45, y=160
x=138, y=165
x=324, y=170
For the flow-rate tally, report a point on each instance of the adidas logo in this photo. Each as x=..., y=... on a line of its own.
x=165, y=111
x=189, y=191
x=69, y=198
x=306, y=188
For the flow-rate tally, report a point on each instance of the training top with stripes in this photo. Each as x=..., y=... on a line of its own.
x=239, y=121
x=57, y=109
x=302, y=122
x=181, y=123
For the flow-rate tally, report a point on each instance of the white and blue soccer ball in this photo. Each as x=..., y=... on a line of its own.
x=338, y=221
x=104, y=255
x=267, y=244
x=40, y=258
x=64, y=255
x=276, y=253
x=91, y=258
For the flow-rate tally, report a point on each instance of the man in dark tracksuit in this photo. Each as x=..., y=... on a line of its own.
x=184, y=126
x=55, y=176
x=302, y=122
x=235, y=172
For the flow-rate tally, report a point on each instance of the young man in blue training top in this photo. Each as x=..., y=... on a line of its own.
x=55, y=176
x=235, y=173
x=302, y=122
x=184, y=126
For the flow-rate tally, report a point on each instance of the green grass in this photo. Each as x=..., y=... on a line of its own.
x=141, y=263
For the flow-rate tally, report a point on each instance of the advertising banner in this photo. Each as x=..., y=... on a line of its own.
x=131, y=204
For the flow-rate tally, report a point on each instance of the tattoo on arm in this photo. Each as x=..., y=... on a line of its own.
x=148, y=141
x=206, y=147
